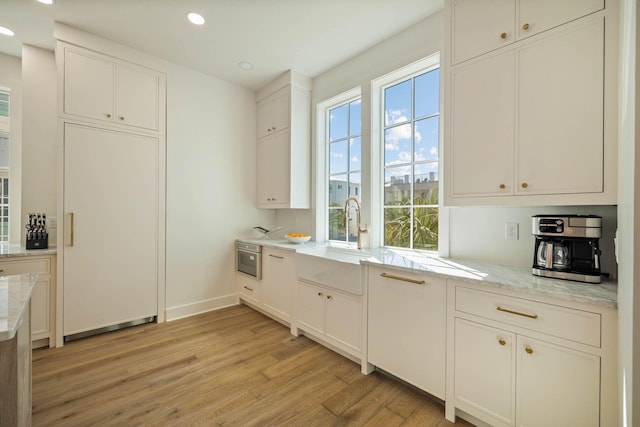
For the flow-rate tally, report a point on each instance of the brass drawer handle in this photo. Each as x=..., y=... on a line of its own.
x=531, y=316
x=404, y=279
x=528, y=349
x=276, y=256
x=248, y=288
x=503, y=36
x=501, y=341
x=525, y=27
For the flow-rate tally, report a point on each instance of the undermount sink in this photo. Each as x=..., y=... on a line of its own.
x=329, y=266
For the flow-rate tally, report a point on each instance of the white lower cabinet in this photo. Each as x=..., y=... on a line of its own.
x=406, y=327
x=278, y=281
x=509, y=366
x=42, y=296
x=273, y=294
x=330, y=315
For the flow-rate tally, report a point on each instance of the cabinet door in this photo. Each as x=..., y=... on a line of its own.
x=482, y=128
x=273, y=171
x=41, y=309
x=88, y=86
x=480, y=26
x=273, y=113
x=310, y=304
x=484, y=366
x=535, y=16
x=560, y=112
x=344, y=320
x=406, y=333
x=278, y=281
x=556, y=385
x=137, y=97
x=111, y=186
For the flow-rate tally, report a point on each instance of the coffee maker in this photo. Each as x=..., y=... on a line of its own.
x=566, y=247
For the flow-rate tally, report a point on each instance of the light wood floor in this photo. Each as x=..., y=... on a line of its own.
x=232, y=367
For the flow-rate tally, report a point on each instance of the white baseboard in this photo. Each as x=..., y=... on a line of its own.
x=186, y=310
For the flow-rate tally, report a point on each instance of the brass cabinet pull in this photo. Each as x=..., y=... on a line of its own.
x=502, y=186
x=108, y=115
x=319, y=294
x=71, y=229
x=524, y=185
x=121, y=117
x=503, y=35
x=248, y=288
x=276, y=256
x=525, y=27
x=501, y=341
x=329, y=297
x=531, y=316
x=528, y=349
x=404, y=279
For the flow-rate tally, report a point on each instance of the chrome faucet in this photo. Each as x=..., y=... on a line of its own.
x=346, y=219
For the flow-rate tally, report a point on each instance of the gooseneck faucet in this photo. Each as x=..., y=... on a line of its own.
x=346, y=219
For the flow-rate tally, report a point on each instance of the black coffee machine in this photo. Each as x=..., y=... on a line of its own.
x=567, y=247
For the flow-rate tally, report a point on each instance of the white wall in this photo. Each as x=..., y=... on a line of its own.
x=210, y=187
x=628, y=216
x=10, y=71
x=39, y=135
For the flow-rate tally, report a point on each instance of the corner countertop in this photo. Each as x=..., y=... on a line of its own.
x=8, y=250
x=509, y=278
x=15, y=293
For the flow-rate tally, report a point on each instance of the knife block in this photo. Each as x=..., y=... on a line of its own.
x=37, y=243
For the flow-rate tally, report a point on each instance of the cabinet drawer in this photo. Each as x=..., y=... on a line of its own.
x=575, y=325
x=249, y=288
x=23, y=267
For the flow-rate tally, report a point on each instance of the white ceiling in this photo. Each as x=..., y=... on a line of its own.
x=309, y=36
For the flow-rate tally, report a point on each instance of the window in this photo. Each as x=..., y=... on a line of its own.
x=409, y=131
x=344, y=165
x=4, y=166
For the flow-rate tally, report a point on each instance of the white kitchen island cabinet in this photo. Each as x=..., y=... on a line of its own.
x=527, y=362
x=103, y=88
x=506, y=21
x=406, y=327
x=531, y=122
x=283, y=138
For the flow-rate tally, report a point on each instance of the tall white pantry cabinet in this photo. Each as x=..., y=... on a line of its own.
x=112, y=192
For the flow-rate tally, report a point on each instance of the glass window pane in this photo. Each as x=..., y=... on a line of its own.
x=338, y=190
x=397, y=145
x=397, y=227
x=425, y=228
x=355, y=154
x=426, y=139
x=427, y=93
x=355, y=182
x=338, y=122
x=425, y=186
x=397, y=185
x=336, y=224
x=338, y=157
x=397, y=103
x=355, y=117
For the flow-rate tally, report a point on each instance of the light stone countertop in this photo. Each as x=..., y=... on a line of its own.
x=15, y=293
x=496, y=276
x=8, y=250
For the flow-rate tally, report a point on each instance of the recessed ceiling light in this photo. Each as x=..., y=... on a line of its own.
x=6, y=32
x=244, y=65
x=195, y=18
x=46, y=1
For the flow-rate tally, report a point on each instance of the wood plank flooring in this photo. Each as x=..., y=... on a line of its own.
x=231, y=367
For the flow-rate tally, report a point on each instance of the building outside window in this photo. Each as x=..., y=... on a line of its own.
x=344, y=164
x=409, y=126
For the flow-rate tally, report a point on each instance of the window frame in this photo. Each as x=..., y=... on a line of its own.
x=378, y=86
x=322, y=159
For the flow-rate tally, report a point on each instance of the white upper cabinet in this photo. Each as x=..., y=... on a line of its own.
x=283, y=154
x=480, y=26
x=534, y=122
x=102, y=88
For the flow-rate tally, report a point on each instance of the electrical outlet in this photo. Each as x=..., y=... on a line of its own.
x=52, y=222
x=511, y=231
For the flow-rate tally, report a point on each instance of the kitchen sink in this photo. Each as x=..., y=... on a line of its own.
x=334, y=267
